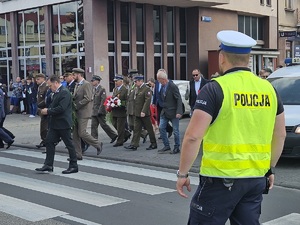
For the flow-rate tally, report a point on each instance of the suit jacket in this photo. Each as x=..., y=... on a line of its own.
x=83, y=100
x=99, y=98
x=60, y=110
x=122, y=94
x=193, y=95
x=41, y=95
x=71, y=87
x=171, y=101
x=156, y=96
x=142, y=100
x=130, y=100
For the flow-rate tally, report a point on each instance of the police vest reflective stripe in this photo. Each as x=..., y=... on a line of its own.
x=238, y=143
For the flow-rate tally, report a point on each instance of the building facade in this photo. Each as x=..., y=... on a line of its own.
x=105, y=37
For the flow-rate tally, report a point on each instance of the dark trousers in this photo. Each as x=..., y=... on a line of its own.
x=213, y=203
x=139, y=123
x=53, y=137
x=43, y=127
x=96, y=120
x=119, y=124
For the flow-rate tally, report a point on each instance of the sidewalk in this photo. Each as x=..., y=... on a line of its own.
x=27, y=135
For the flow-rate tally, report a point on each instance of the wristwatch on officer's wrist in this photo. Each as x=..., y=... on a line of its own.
x=270, y=171
x=179, y=175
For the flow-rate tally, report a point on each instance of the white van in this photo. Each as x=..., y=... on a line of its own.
x=287, y=83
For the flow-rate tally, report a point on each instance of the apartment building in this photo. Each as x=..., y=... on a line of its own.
x=105, y=37
x=289, y=29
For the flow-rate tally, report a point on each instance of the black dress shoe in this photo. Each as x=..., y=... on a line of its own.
x=9, y=144
x=131, y=147
x=45, y=168
x=70, y=170
x=42, y=144
x=117, y=145
x=152, y=146
x=78, y=158
x=99, y=148
x=175, y=151
x=113, y=139
x=164, y=149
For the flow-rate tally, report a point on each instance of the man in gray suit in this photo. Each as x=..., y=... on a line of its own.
x=83, y=103
x=99, y=112
x=171, y=111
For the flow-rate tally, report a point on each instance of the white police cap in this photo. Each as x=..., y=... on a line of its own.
x=235, y=42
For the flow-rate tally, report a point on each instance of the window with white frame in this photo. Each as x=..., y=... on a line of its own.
x=251, y=25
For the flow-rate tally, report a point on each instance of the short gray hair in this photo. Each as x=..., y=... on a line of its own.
x=161, y=73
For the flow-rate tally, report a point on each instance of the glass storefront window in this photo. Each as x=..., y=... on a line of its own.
x=124, y=21
x=170, y=25
x=110, y=20
x=141, y=65
x=157, y=23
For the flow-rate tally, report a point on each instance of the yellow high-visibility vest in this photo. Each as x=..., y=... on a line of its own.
x=238, y=143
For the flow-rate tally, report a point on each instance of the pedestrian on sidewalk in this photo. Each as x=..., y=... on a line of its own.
x=83, y=104
x=99, y=112
x=142, y=100
x=171, y=104
x=238, y=152
x=41, y=104
x=60, y=123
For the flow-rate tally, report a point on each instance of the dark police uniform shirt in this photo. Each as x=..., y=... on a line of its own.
x=211, y=97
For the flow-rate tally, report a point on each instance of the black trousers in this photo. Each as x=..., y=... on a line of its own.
x=53, y=137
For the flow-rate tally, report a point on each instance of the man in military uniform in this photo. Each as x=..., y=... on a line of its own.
x=142, y=100
x=41, y=103
x=99, y=112
x=119, y=113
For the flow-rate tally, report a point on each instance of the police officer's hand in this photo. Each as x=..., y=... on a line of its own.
x=271, y=180
x=178, y=116
x=181, y=182
x=142, y=114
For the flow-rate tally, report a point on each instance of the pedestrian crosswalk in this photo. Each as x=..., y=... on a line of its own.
x=33, y=197
x=26, y=161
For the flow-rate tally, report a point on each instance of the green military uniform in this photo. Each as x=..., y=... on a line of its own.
x=142, y=100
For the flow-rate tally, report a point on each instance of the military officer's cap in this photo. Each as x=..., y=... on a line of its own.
x=138, y=77
x=235, y=42
x=118, y=77
x=77, y=70
x=96, y=77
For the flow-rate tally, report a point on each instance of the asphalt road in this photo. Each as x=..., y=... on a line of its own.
x=108, y=193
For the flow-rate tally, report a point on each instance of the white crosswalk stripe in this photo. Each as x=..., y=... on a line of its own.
x=30, y=210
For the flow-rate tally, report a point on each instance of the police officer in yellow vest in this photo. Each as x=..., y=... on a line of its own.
x=240, y=119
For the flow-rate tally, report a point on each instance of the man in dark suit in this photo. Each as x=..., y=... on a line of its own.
x=83, y=104
x=60, y=122
x=41, y=103
x=157, y=101
x=119, y=113
x=171, y=111
x=99, y=112
x=69, y=78
x=142, y=99
x=195, y=86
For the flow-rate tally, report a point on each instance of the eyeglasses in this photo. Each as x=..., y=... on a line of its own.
x=195, y=75
x=264, y=77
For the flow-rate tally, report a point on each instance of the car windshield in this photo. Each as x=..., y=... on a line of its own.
x=288, y=89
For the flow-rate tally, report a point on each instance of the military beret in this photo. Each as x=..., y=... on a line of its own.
x=77, y=70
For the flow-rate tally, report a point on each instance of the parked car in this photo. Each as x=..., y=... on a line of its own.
x=287, y=83
x=183, y=86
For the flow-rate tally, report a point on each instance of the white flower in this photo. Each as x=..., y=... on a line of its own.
x=113, y=105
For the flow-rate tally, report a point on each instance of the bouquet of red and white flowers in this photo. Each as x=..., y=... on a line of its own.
x=111, y=102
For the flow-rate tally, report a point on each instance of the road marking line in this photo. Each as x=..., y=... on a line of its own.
x=27, y=210
x=78, y=220
x=108, y=166
x=290, y=219
x=93, y=178
x=75, y=194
